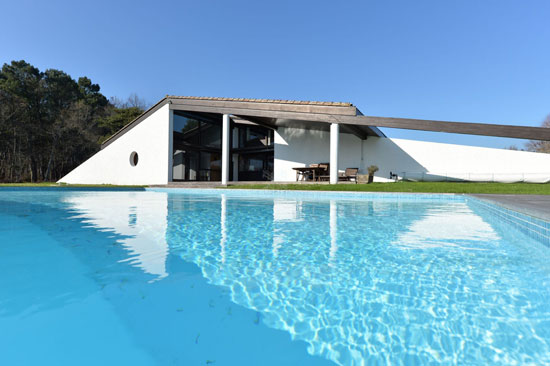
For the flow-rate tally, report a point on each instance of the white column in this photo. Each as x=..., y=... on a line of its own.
x=225, y=149
x=334, y=132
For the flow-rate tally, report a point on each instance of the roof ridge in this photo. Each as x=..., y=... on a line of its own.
x=279, y=101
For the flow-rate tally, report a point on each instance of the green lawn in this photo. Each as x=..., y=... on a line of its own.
x=44, y=184
x=53, y=184
x=425, y=187
x=419, y=187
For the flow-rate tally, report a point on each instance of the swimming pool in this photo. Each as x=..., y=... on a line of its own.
x=189, y=277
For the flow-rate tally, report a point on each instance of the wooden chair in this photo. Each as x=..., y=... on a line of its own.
x=325, y=176
x=349, y=175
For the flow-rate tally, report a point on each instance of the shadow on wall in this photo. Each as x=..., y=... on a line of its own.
x=301, y=146
x=298, y=147
x=389, y=157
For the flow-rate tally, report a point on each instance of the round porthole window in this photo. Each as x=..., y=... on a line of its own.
x=134, y=158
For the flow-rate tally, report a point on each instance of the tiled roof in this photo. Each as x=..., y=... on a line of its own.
x=278, y=101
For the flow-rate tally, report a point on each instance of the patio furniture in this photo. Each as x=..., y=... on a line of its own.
x=349, y=175
x=312, y=172
x=324, y=174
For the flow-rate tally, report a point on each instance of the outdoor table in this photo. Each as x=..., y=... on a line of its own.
x=315, y=172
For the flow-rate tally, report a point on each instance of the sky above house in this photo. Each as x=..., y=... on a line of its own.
x=471, y=61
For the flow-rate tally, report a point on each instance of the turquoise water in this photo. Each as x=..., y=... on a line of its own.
x=93, y=277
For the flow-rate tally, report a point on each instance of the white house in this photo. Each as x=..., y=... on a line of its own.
x=222, y=139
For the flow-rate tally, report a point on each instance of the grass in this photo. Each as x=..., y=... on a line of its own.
x=43, y=184
x=53, y=184
x=418, y=187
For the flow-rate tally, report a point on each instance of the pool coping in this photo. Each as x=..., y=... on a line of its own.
x=533, y=226
x=533, y=205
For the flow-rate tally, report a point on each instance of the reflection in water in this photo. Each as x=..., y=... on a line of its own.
x=331, y=274
x=138, y=216
x=444, y=228
x=334, y=273
x=287, y=210
x=223, y=218
x=57, y=264
x=284, y=210
x=333, y=230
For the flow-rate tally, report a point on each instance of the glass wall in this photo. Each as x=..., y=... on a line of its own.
x=255, y=149
x=197, y=149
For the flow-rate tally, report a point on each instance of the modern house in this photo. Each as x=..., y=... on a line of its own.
x=183, y=139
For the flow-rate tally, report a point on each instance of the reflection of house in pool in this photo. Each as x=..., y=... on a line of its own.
x=288, y=270
x=139, y=221
x=223, y=140
x=101, y=236
x=100, y=263
x=442, y=228
x=310, y=280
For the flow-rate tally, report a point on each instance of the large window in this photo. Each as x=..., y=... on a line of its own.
x=255, y=149
x=197, y=149
x=256, y=166
x=255, y=137
x=195, y=132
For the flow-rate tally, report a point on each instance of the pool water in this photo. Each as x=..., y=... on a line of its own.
x=96, y=277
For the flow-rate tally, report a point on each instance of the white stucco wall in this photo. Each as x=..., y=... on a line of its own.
x=416, y=160
x=151, y=139
x=298, y=147
x=420, y=160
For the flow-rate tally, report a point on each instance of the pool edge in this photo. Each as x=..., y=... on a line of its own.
x=531, y=225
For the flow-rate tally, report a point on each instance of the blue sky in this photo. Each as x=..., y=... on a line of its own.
x=473, y=61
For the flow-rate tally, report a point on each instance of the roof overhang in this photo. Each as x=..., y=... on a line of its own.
x=319, y=115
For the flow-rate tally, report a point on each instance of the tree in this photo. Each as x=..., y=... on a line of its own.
x=118, y=118
x=20, y=86
x=90, y=94
x=50, y=123
x=540, y=146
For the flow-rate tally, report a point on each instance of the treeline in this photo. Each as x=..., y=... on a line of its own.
x=540, y=146
x=50, y=123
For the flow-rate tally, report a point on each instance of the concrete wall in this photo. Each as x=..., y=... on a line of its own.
x=415, y=160
x=151, y=139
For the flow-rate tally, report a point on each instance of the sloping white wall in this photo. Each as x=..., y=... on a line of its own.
x=412, y=159
x=151, y=139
